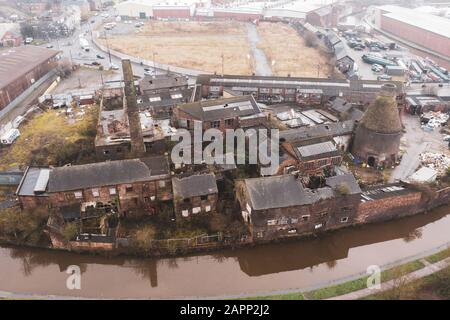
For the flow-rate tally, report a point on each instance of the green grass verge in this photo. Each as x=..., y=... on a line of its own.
x=285, y=296
x=361, y=283
x=346, y=287
x=441, y=255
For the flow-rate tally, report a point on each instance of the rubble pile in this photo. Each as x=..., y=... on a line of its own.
x=435, y=119
x=436, y=161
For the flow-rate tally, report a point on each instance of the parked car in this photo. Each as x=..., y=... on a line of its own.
x=99, y=56
x=374, y=48
x=49, y=46
x=377, y=68
x=358, y=48
x=95, y=63
x=384, y=77
x=113, y=67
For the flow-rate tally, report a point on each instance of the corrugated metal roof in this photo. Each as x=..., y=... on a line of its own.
x=315, y=149
x=429, y=22
x=16, y=62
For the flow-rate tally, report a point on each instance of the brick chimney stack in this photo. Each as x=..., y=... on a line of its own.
x=137, y=141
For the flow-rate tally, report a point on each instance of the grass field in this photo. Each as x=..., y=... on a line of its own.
x=200, y=45
x=282, y=44
x=194, y=45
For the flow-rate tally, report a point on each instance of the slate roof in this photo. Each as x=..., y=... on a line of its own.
x=195, y=185
x=282, y=191
x=340, y=51
x=347, y=180
x=332, y=38
x=323, y=130
x=340, y=105
x=160, y=82
x=217, y=109
x=107, y=173
x=330, y=87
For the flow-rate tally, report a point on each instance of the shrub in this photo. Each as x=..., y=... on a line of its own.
x=70, y=231
x=23, y=226
x=143, y=237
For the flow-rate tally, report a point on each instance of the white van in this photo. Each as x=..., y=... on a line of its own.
x=10, y=136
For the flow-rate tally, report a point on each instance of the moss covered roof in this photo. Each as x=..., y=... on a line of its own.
x=382, y=116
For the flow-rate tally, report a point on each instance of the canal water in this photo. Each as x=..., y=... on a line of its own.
x=281, y=266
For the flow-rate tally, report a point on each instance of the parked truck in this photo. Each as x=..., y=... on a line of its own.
x=374, y=59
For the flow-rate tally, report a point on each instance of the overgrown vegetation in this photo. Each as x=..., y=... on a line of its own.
x=49, y=139
x=70, y=231
x=23, y=227
x=435, y=286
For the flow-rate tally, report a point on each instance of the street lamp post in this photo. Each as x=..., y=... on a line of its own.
x=154, y=62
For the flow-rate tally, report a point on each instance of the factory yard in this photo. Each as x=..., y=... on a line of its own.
x=53, y=137
x=291, y=55
x=194, y=45
x=200, y=46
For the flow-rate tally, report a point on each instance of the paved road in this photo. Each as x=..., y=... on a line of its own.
x=262, y=66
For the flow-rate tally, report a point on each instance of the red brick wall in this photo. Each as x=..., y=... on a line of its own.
x=173, y=13
x=416, y=35
x=390, y=207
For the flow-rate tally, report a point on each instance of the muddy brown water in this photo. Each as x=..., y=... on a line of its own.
x=281, y=266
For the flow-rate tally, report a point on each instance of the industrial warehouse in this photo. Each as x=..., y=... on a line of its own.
x=224, y=149
x=20, y=68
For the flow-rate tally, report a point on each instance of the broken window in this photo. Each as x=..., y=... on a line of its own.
x=95, y=192
x=305, y=217
x=129, y=188
x=344, y=219
x=215, y=124
x=204, y=197
x=229, y=122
